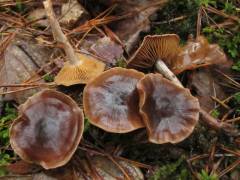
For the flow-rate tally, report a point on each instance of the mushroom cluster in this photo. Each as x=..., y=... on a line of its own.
x=157, y=50
x=50, y=124
x=122, y=100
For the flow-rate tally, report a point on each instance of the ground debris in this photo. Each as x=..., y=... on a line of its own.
x=22, y=59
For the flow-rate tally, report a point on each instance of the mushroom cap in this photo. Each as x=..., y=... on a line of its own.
x=198, y=53
x=87, y=69
x=111, y=100
x=48, y=129
x=169, y=112
x=164, y=47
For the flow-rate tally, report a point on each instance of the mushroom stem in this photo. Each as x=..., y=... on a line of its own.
x=166, y=72
x=58, y=34
x=211, y=121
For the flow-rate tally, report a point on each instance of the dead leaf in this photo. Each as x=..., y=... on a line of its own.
x=22, y=59
x=128, y=30
x=96, y=167
x=68, y=14
x=71, y=12
x=22, y=167
x=39, y=16
x=108, y=50
x=205, y=84
x=107, y=169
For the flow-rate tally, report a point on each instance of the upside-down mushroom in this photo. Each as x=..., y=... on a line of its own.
x=48, y=129
x=158, y=51
x=80, y=68
x=169, y=112
x=111, y=100
x=87, y=68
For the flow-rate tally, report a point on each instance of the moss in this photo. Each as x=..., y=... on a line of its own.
x=173, y=170
x=6, y=156
x=49, y=78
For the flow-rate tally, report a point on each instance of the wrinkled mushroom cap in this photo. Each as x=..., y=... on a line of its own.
x=48, y=129
x=111, y=100
x=87, y=69
x=164, y=47
x=169, y=112
x=197, y=53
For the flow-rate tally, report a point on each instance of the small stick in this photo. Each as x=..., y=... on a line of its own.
x=19, y=90
x=230, y=167
x=27, y=85
x=233, y=120
x=171, y=20
x=220, y=102
x=215, y=124
x=230, y=151
x=58, y=34
x=199, y=21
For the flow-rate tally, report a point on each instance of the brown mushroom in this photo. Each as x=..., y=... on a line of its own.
x=86, y=69
x=80, y=68
x=169, y=112
x=198, y=53
x=111, y=100
x=48, y=129
x=156, y=51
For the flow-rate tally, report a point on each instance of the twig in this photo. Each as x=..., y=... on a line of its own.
x=230, y=151
x=217, y=125
x=199, y=22
x=233, y=120
x=58, y=34
x=170, y=21
x=220, y=102
x=28, y=85
x=230, y=167
x=120, y=167
x=221, y=13
x=19, y=90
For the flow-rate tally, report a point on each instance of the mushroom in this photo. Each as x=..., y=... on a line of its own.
x=154, y=51
x=198, y=53
x=79, y=68
x=48, y=129
x=162, y=50
x=111, y=100
x=87, y=69
x=169, y=112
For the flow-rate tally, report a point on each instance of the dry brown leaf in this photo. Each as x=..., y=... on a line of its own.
x=204, y=85
x=128, y=30
x=108, y=50
x=22, y=58
x=94, y=167
x=102, y=167
x=68, y=13
x=22, y=167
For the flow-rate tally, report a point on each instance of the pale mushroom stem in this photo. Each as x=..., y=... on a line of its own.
x=58, y=34
x=165, y=71
x=211, y=121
